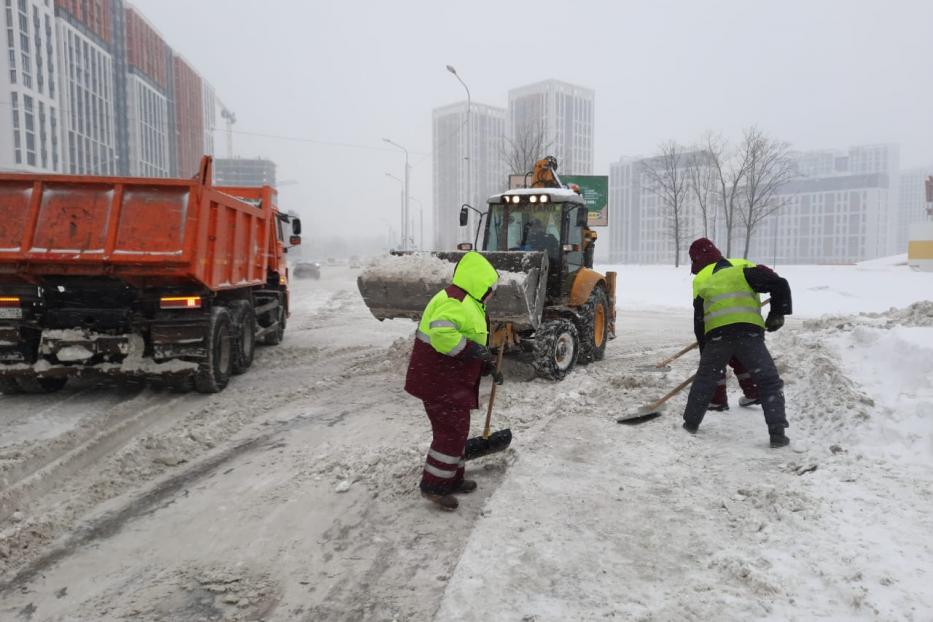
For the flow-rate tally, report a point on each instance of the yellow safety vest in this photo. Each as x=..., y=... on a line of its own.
x=727, y=296
x=447, y=323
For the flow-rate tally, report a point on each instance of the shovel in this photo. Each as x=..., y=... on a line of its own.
x=653, y=410
x=665, y=364
x=489, y=443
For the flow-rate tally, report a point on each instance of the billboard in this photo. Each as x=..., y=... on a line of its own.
x=595, y=191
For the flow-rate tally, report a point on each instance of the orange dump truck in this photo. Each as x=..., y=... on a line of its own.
x=167, y=278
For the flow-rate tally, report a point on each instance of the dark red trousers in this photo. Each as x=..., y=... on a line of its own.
x=444, y=466
x=749, y=388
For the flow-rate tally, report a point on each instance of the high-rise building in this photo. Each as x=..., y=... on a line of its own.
x=149, y=126
x=641, y=226
x=465, y=170
x=565, y=114
x=95, y=89
x=244, y=172
x=30, y=127
x=841, y=208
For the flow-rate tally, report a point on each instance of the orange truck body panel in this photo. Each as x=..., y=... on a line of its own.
x=147, y=232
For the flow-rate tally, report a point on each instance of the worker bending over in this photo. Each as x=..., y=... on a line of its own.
x=728, y=324
x=447, y=361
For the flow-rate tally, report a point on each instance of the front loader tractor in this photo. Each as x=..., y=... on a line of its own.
x=551, y=308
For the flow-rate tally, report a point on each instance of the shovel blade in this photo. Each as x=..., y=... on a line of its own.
x=643, y=414
x=478, y=446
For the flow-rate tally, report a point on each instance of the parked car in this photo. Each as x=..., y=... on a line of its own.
x=307, y=270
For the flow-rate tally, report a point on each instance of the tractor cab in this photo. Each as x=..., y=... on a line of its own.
x=549, y=220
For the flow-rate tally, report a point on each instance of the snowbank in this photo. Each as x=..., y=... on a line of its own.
x=817, y=290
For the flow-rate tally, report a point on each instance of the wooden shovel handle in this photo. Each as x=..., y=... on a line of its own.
x=683, y=385
x=692, y=346
x=492, y=395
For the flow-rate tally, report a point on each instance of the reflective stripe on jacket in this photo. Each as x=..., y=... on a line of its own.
x=727, y=296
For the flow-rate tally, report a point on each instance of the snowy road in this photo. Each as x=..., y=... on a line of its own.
x=292, y=495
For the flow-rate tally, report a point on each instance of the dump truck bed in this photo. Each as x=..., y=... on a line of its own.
x=140, y=230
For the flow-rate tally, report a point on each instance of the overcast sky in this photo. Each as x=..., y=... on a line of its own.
x=816, y=73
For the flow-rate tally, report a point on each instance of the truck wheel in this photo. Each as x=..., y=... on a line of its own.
x=9, y=386
x=557, y=346
x=244, y=324
x=276, y=336
x=37, y=385
x=214, y=374
x=594, y=329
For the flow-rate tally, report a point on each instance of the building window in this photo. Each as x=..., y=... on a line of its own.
x=30, y=130
x=17, y=141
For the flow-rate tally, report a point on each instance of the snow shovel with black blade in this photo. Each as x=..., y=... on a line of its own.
x=653, y=410
x=489, y=442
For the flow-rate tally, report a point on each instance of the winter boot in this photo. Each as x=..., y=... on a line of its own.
x=749, y=401
x=446, y=502
x=466, y=486
x=691, y=427
x=778, y=438
x=718, y=407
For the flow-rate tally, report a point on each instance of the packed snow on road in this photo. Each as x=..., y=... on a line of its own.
x=293, y=494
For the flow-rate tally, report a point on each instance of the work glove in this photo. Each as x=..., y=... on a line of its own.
x=497, y=377
x=774, y=322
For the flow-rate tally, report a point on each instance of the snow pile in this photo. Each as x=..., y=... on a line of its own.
x=817, y=290
x=896, y=366
x=416, y=266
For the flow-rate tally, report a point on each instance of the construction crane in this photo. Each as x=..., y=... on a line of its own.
x=230, y=118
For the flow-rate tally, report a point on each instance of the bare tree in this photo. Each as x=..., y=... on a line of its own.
x=701, y=177
x=668, y=180
x=769, y=168
x=527, y=145
x=730, y=170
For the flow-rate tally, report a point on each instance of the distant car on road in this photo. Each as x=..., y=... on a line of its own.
x=355, y=262
x=307, y=270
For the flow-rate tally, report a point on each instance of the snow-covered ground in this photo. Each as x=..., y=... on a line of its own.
x=292, y=495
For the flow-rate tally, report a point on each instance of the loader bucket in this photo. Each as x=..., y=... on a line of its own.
x=402, y=284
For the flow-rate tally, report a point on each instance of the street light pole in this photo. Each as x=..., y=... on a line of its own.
x=469, y=171
x=405, y=201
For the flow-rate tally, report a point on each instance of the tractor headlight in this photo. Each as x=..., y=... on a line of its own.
x=545, y=198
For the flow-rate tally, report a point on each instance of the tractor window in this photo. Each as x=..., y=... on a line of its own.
x=495, y=230
x=575, y=259
x=536, y=228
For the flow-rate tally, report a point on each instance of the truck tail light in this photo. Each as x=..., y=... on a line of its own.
x=9, y=301
x=180, y=302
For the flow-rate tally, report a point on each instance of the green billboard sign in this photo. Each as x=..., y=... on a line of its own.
x=595, y=191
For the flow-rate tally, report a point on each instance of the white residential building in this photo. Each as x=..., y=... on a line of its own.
x=148, y=129
x=461, y=176
x=30, y=123
x=640, y=225
x=87, y=95
x=566, y=113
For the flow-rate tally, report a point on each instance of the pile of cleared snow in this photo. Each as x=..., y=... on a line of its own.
x=895, y=366
x=884, y=262
x=817, y=290
x=423, y=266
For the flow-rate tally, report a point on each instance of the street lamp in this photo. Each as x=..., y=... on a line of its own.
x=469, y=175
x=402, y=184
x=405, y=202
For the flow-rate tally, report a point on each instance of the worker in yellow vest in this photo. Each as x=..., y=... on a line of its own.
x=728, y=324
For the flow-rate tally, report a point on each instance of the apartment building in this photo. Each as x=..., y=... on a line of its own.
x=565, y=113
x=468, y=165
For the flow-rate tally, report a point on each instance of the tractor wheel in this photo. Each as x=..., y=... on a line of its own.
x=557, y=346
x=244, y=328
x=9, y=386
x=37, y=385
x=594, y=329
x=214, y=374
